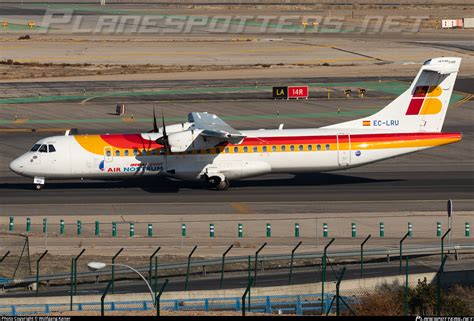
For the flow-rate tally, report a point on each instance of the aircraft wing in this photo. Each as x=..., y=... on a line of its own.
x=213, y=126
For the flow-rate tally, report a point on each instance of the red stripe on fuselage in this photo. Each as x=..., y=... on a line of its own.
x=130, y=141
x=343, y=138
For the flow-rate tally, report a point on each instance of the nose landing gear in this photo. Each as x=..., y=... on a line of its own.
x=39, y=182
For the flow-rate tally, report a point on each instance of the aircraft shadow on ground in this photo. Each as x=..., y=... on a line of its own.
x=164, y=185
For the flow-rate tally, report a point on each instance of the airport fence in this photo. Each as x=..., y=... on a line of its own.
x=321, y=283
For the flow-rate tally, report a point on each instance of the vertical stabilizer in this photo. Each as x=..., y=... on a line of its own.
x=422, y=107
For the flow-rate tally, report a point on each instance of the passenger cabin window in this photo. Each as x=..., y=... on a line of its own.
x=246, y=149
x=274, y=148
x=292, y=148
x=310, y=147
x=318, y=147
x=328, y=146
x=35, y=147
x=255, y=149
x=283, y=148
x=264, y=148
x=236, y=149
x=135, y=152
x=143, y=152
x=117, y=153
x=125, y=152
x=300, y=148
x=51, y=149
x=226, y=149
x=108, y=153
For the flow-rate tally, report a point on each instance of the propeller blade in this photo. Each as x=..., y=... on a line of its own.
x=164, y=126
x=155, y=126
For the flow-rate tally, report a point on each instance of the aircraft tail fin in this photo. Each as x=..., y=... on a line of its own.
x=422, y=107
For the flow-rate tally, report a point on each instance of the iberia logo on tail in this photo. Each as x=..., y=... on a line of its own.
x=424, y=101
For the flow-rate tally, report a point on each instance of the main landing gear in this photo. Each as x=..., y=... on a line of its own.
x=39, y=182
x=218, y=183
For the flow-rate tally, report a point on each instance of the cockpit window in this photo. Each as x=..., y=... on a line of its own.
x=43, y=149
x=51, y=149
x=35, y=147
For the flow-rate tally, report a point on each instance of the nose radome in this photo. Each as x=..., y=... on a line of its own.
x=16, y=166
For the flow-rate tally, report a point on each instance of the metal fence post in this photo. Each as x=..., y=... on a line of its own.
x=338, y=297
x=297, y=230
x=75, y=270
x=362, y=255
x=269, y=230
x=325, y=230
x=353, y=230
x=11, y=225
x=79, y=227
x=382, y=229
x=150, y=230
x=158, y=298
x=183, y=230
x=150, y=268
x=71, y=291
x=323, y=272
x=97, y=228
x=466, y=229
x=28, y=225
x=113, y=268
x=292, y=257
x=406, y=285
x=438, y=286
x=222, y=266
x=114, y=229
x=45, y=225
x=410, y=230
x=249, y=277
x=247, y=291
x=240, y=231
x=102, y=299
x=442, y=243
x=438, y=229
x=4, y=257
x=401, y=251
x=189, y=264
x=37, y=270
x=61, y=227
x=256, y=263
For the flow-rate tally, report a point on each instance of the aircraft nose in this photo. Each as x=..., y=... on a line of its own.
x=16, y=166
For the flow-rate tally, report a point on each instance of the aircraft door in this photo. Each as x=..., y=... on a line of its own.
x=344, y=149
x=108, y=154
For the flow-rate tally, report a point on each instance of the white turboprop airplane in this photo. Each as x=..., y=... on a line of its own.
x=206, y=148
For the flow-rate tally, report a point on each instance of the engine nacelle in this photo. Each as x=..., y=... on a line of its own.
x=180, y=141
x=175, y=128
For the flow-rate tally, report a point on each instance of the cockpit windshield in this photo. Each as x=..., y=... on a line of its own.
x=43, y=148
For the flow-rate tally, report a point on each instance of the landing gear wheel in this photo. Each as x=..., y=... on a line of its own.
x=218, y=184
x=223, y=185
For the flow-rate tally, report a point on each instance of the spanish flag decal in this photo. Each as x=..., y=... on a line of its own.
x=366, y=123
